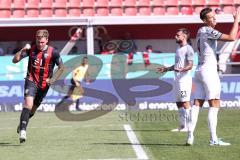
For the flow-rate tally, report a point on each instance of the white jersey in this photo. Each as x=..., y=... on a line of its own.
x=183, y=55
x=207, y=46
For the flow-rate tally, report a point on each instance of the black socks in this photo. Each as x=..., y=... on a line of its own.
x=24, y=118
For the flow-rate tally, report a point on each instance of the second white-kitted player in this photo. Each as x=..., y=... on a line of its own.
x=183, y=79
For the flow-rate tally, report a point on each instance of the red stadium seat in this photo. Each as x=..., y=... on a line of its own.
x=172, y=10
x=74, y=3
x=19, y=4
x=5, y=13
x=228, y=9
x=60, y=3
x=5, y=4
x=46, y=3
x=158, y=3
x=227, y=2
x=18, y=13
x=237, y=2
x=60, y=12
x=186, y=2
x=32, y=12
x=46, y=12
x=187, y=10
x=199, y=2
x=159, y=10
x=88, y=3
x=130, y=11
x=102, y=11
x=213, y=2
x=115, y=3
x=102, y=3
x=116, y=11
x=198, y=9
x=130, y=3
x=144, y=11
x=171, y=2
x=74, y=12
x=144, y=3
x=88, y=12
x=33, y=3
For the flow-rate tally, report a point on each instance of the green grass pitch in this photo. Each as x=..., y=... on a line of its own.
x=49, y=138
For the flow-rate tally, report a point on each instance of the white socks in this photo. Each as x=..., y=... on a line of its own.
x=212, y=122
x=184, y=115
x=187, y=117
x=181, y=117
x=193, y=118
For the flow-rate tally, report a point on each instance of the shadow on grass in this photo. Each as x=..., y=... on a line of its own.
x=5, y=144
x=142, y=144
x=135, y=130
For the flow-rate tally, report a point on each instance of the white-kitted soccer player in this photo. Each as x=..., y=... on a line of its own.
x=183, y=79
x=206, y=77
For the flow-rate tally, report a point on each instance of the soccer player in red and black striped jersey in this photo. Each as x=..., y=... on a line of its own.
x=42, y=59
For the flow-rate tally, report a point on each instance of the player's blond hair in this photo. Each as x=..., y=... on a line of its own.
x=42, y=33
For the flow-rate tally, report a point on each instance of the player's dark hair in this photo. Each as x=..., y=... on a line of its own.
x=204, y=12
x=186, y=32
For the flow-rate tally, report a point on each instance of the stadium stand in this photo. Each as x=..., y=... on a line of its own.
x=116, y=11
x=130, y=11
x=115, y=3
x=130, y=3
x=172, y=10
x=87, y=3
x=102, y=11
x=76, y=8
x=101, y=3
x=32, y=12
x=46, y=3
x=144, y=11
x=74, y=12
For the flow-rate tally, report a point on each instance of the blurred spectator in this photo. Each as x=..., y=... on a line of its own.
x=149, y=49
x=1, y=52
x=146, y=55
x=74, y=51
x=9, y=51
x=218, y=11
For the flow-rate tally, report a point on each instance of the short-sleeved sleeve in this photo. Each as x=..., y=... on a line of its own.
x=213, y=34
x=190, y=53
x=57, y=58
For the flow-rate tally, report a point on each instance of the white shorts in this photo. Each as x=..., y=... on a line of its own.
x=207, y=85
x=183, y=90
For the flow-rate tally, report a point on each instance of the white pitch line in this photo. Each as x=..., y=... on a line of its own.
x=114, y=159
x=140, y=153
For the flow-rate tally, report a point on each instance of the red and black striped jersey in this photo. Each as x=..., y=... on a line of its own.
x=41, y=64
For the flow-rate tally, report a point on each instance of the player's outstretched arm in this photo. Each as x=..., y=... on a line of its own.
x=165, y=69
x=233, y=33
x=20, y=54
x=186, y=68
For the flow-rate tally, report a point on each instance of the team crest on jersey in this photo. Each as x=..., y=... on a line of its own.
x=215, y=33
x=45, y=55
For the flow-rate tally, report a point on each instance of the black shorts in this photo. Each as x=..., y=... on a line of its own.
x=30, y=89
